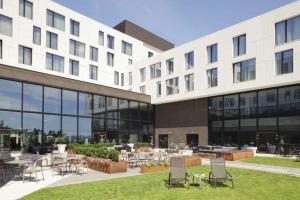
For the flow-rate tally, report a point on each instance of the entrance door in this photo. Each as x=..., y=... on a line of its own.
x=192, y=140
x=163, y=141
x=10, y=140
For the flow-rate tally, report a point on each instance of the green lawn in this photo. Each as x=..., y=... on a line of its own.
x=249, y=185
x=285, y=162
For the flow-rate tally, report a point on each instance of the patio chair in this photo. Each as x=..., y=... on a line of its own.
x=34, y=168
x=218, y=172
x=177, y=172
x=58, y=164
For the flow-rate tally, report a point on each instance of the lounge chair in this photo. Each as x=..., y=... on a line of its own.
x=218, y=172
x=177, y=172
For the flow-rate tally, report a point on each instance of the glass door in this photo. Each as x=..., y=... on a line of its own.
x=10, y=140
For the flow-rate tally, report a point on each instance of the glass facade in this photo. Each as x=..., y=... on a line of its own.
x=35, y=115
x=257, y=118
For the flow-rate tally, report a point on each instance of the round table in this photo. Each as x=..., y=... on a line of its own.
x=199, y=178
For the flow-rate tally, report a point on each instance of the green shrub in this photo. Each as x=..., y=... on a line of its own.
x=99, y=150
x=142, y=144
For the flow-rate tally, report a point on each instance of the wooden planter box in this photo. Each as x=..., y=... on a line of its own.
x=110, y=168
x=192, y=161
x=154, y=168
x=238, y=155
x=144, y=149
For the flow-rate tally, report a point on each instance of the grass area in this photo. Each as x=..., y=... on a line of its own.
x=249, y=185
x=284, y=162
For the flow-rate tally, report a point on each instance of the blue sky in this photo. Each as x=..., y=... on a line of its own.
x=178, y=21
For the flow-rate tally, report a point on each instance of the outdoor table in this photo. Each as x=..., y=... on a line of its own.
x=199, y=178
x=19, y=162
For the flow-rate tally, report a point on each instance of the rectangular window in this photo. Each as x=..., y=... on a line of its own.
x=101, y=38
x=122, y=79
x=93, y=72
x=55, y=20
x=189, y=82
x=55, y=62
x=25, y=9
x=77, y=48
x=110, y=59
x=244, y=71
x=155, y=70
x=116, y=78
x=212, y=77
x=189, y=60
x=25, y=55
x=284, y=62
x=172, y=86
x=5, y=25
x=1, y=49
x=126, y=48
x=130, y=78
x=143, y=89
x=36, y=35
x=150, y=54
x=158, y=89
x=143, y=74
x=93, y=54
x=129, y=62
x=110, y=42
x=74, y=67
x=170, y=66
x=1, y=3
x=287, y=30
x=212, y=53
x=239, y=45
x=51, y=40
x=74, y=27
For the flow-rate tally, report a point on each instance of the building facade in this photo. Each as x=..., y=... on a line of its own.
x=64, y=75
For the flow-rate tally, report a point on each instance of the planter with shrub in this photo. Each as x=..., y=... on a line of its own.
x=238, y=155
x=154, y=167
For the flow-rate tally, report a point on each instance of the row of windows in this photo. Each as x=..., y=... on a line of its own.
x=242, y=71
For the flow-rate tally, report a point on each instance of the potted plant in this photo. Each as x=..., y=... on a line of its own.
x=130, y=144
x=60, y=142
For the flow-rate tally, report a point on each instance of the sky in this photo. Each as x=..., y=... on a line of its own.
x=177, y=21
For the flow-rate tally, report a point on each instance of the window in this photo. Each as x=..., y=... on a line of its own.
x=25, y=55
x=158, y=89
x=55, y=20
x=239, y=45
x=284, y=62
x=170, y=66
x=244, y=71
x=116, y=78
x=1, y=49
x=1, y=3
x=25, y=9
x=74, y=27
x=51, y=40
x=189, y=82
x=55, y=62
x=150, y=54
x=155, y=70
x=110, y=42
x=5, y=25
x=129, y=62
x=101, y=38
x=77, y=48
x=93, y=54
x=74, y=67
x=127, y=48
x=130, y=78
x=172, y=86
x=189, y=60
x=143, y=89
x=212, y=77
x=36, y=35
x=110, y=59
x=143, y=74
x=93, y=72
x=122, y=79
x=287, y=31
x=212, y=53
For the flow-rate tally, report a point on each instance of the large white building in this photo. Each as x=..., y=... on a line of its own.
x=239, y=85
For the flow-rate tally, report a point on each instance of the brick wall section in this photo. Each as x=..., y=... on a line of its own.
x=181, y=118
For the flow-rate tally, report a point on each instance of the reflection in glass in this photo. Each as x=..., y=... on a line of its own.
x=124, y=108
x=216, y=107
x=85, y=104
x=69, y=102
x=52, y=100
x=231, y=105
x=69, y=129
x=144, y=112
x=85, y=130
x=33, y=129
x=32, y=97
x=10, y=95
x=52, y=130
x=99, y=106
x=134, y=110
x=112, y=108
x=267, y=102
x=248, y=104
x=134, y=132
x=289, y=100
x=112, y=130
x=10, y=120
